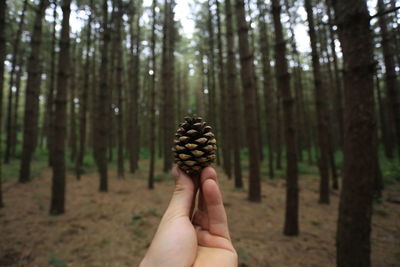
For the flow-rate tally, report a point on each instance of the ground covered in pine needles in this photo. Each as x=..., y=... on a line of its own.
x=115, y=228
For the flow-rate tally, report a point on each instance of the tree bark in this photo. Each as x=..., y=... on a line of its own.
x=291, y=226
x=60, y=116
x=268, y=85
x=83, y=104
x=321, y=109
x=250, y=110
x=233, y=93
x=152, y=107
x=3, y=24
x=354, y=225
x=393, y=96
x=103, y=107
x=49, y=116
x=225, y=119
x=14, y=61
x=31, y=115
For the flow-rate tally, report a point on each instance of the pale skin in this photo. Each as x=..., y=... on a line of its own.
x=201, y=241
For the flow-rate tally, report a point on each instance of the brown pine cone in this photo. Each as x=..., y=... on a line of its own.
x=194, y=145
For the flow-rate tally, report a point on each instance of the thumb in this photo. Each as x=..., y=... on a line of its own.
x=182, y=196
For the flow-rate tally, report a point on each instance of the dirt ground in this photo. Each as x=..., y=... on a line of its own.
x=115, y=228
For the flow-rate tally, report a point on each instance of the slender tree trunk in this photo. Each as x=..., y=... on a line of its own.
x=387, y=145
x=83, y=107
x=152, y=99
x=291, y=226
x=120, y=85
x=103, y=107
x=60, y=115
x=225, y=119
x=16, y=52
x=168, y=83
x=73, y=79
x=268, y=86
x=212, y=94
x=321, y=109
x=249, y=95
x=354, y=225
x=278, y=130
x=393, y=95
x=49, y=116
x=134, y=101
x=233, y=93
x=3, y=24
x=32, y=96
x=15, y=120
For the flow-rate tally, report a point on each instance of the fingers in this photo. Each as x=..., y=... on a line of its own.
x=217, y=221
x=182, y=197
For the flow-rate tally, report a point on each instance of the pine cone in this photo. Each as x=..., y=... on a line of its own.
x=194, y=145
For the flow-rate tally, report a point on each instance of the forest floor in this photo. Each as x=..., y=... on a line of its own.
x=115, y=228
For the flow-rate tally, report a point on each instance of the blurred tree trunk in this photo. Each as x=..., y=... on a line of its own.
x=211, y=85
x=152, y=107
x=49, y=108
x=291, y=226
x=120, y=88
x=278, y=130
x=14, y=61
x=321, y=110
x=359, y=166
x=3, y=24
x=392, y=95
x=60, y=116
x=74, y=84
x=102, y=129
x=168, y=83
x=382, y=111
x=83, y=103
x=249, y=96
x=134, y=62
x=15, y=120
x=31, y=115
x=233, y=94
x=225, y=119
x=268, y=85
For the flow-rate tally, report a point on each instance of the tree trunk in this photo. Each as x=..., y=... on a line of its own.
x=60, y=116
x=233, y=94
x=225, y=119
x=83, y=104
x=73, y=79
x=354, y=225
x=392, y=95
x=134, y=94
x=16, y=52
x=291, y=226
x=382, y=111
x=31, y=115
x=15, y=120
x=321, y=109
x=49, y=116
x=102, y=131
x=168, y=84
x=152, y=107
x=3, y=7
x=268, y=86
x=120, y=85
x=250, y=110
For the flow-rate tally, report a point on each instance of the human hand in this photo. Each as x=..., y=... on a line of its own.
x=203, y=241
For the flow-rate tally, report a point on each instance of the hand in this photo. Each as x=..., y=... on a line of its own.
x=205, y=241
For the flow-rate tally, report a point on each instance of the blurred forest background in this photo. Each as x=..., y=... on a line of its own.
x=303, y=96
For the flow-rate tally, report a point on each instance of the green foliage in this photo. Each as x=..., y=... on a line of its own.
x=391, y=171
